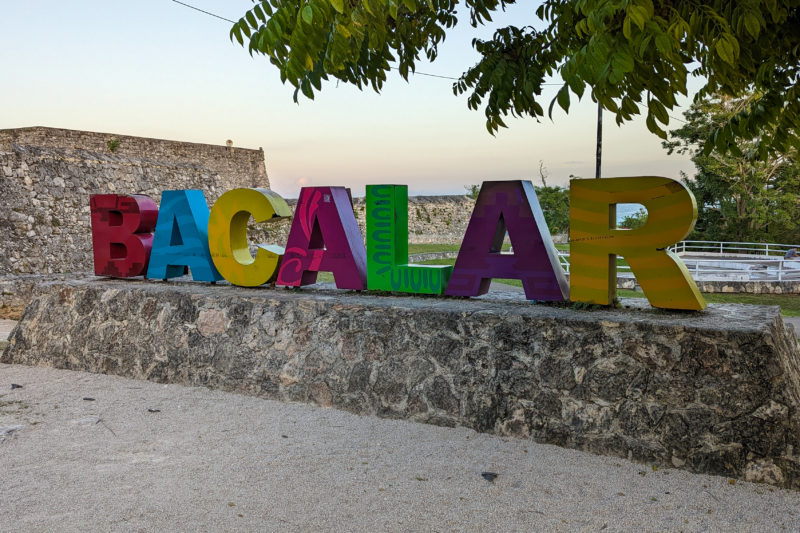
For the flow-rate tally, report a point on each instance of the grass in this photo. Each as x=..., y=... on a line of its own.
x=430, y=247
x=789, y=303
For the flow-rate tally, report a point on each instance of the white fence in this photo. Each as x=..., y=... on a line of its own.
x=729, y=261
x=725, y=247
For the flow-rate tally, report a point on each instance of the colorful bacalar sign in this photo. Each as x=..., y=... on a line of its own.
x=131, y=236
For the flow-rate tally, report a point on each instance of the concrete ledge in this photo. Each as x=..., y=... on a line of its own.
x=715, y=392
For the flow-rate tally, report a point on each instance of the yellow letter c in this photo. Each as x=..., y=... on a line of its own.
x=227, y=235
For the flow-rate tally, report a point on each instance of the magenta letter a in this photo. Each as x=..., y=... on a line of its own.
x=324, y=237
x=512, y=206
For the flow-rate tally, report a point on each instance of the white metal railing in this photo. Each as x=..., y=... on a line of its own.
x=773, y=267
x=732, y=247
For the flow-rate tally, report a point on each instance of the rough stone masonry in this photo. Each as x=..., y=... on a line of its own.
x=48, y=174
x=715, y=392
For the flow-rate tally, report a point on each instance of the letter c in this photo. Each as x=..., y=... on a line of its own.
x=227, y=235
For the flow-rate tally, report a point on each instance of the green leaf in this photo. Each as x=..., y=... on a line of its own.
x=752, y=25
x=622, y=61
x=638, y=15
x=260, y=13
x=654, y=128
x=308, y=14
x=338, y=5
x=727, y=48
x=663, y=44
x=244, y=27
x=658, y=109
x=251, y=19
x=563, y=98
x=237, y=32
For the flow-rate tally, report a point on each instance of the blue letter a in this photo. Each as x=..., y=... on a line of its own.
x=181, y=238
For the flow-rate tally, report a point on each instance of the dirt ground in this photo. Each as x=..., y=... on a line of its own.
x=85, y=452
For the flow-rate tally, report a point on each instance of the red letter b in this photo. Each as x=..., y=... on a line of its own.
x=122, y=233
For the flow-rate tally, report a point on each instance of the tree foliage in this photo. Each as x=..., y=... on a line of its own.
x=554, y=202
x=634, y=55
x=739, y=197
x=633, y=221
x=472, y=191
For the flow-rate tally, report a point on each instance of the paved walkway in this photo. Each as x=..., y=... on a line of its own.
x=795, y=321
x=85, y=452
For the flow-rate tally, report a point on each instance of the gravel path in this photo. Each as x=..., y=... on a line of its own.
x=84, y=452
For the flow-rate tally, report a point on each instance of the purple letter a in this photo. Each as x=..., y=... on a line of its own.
x=324, y=237
x=512, y=206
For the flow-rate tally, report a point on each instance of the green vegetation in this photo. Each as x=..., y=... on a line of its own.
x=635, y=56
x=555, y=206
x=429, y=247
x=113, y=144
x=739, y=197
x=789, y=303
x=554, y=202
x=634, y=221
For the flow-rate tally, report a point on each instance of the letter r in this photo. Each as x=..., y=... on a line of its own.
x=595, y=241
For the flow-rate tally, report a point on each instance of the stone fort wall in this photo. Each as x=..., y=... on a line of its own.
x=47, y=175
x=243, y=166
x=431, y=219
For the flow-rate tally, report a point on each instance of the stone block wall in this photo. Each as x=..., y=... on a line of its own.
x=750, y=287
x=242, y=166
x=431, y=219
x=47, y=175
x=715, y=392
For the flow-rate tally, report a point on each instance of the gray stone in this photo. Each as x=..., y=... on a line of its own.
x=9, y=432
x=61, y=168
x=715, y=392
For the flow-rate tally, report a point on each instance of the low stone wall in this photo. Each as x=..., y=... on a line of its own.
x=750, y=287
x=713, y=392
x=16, y=292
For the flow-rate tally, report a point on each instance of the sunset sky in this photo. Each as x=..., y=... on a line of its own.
x=155, y=68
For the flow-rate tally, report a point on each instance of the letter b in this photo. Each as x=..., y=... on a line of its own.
x=122, y=237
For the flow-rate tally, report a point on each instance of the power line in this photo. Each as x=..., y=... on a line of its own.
x=204, y=11
x=426, y=74
x=394, y=68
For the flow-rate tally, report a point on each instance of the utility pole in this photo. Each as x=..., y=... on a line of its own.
x=599, y=153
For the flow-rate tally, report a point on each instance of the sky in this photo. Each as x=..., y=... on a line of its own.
x=154, y=68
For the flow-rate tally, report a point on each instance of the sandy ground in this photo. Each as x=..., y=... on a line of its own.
x=84, y=452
